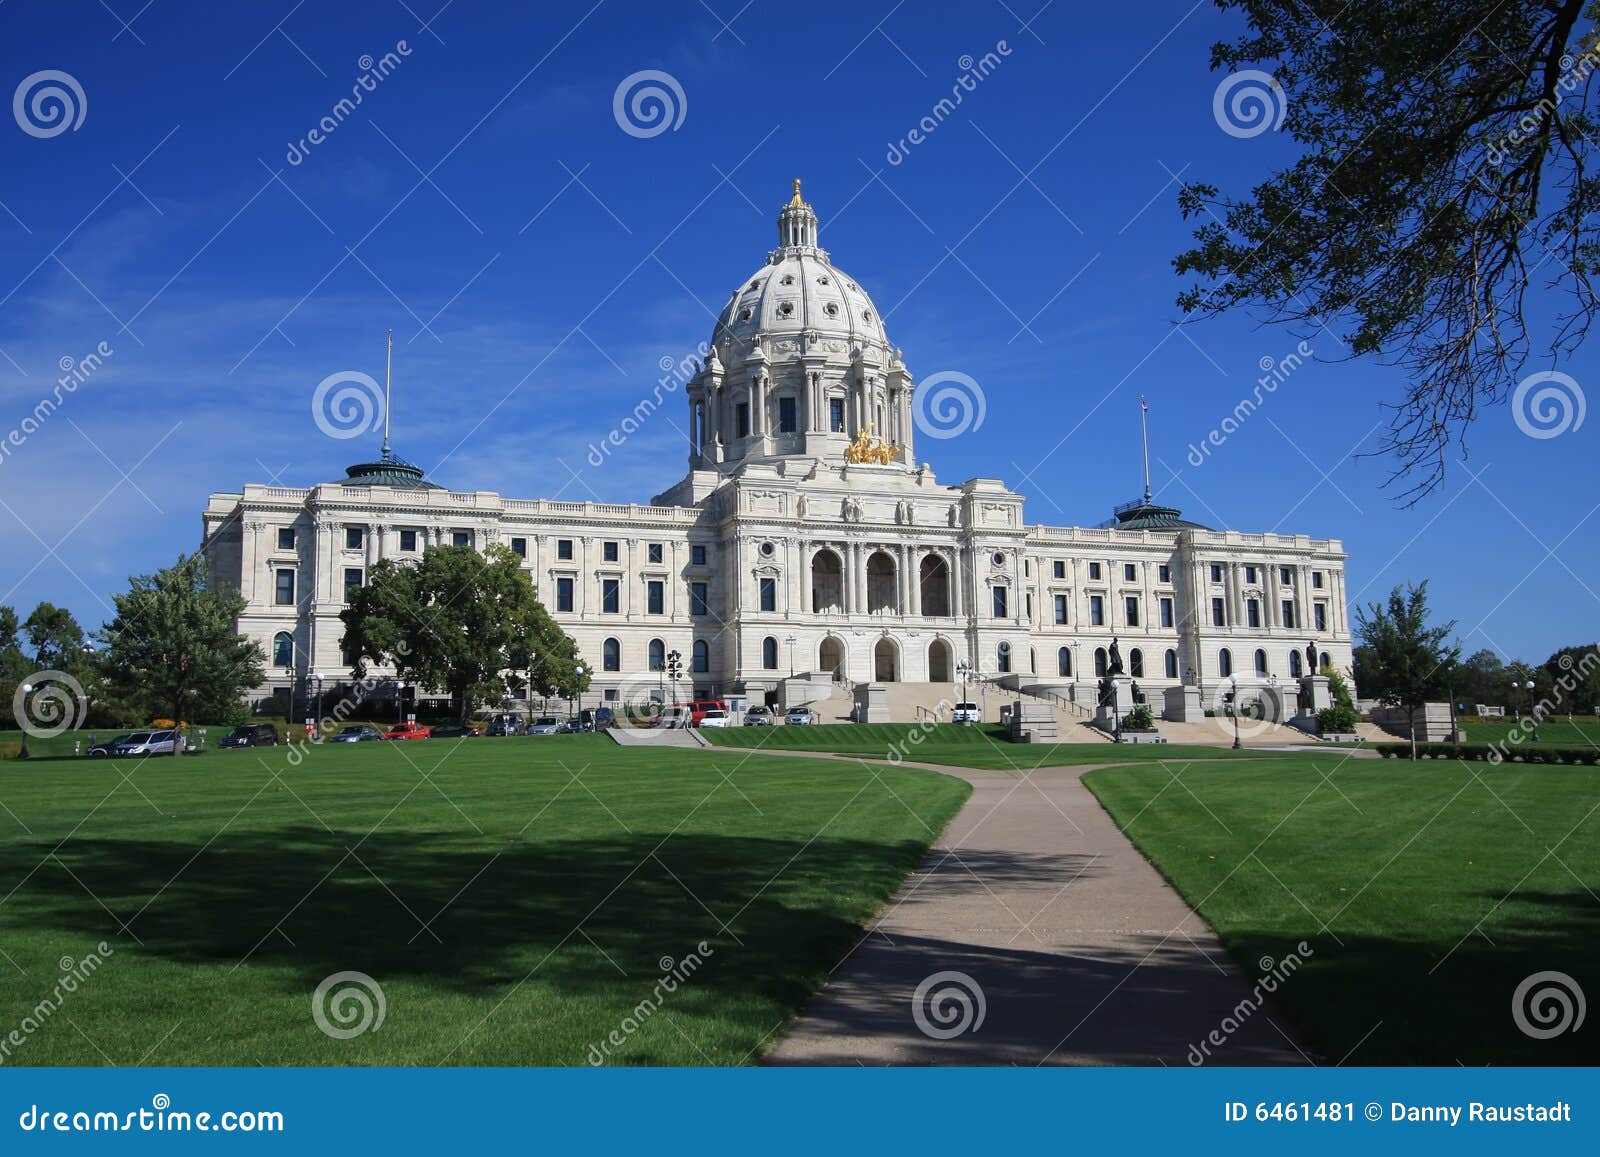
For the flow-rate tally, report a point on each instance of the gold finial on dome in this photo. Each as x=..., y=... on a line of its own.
x=795, y=201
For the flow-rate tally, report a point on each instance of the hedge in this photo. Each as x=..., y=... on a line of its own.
x=1481, y=752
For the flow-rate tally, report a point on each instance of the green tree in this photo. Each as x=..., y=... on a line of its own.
x=1482, y=678
x=1412, y=662
x=1445, y=157
x=1575, y=673
x=56, y=637
x=462, y=622
x=173, y=645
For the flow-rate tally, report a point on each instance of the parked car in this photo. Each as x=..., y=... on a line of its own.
x=758, y=716
x=546, y=725
x=504, y=725
x=800, y=716
x=147, y=743
x=357, y=733
x=699, y=707
x=251, y=735
x=454, y=731
x=715, y=718
x=674, y=717
x=966, y=712
x=407, y=731
x=106, y=749
x=595, y=719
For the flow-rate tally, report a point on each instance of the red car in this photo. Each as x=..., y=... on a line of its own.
x=407, y=731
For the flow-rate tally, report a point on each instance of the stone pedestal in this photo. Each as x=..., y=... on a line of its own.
x=872, y=703
x=1314, y=696
x=1107, y=714
x=1032, y=721
x=1183, y=705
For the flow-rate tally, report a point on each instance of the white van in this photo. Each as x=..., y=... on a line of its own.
x=966, y=712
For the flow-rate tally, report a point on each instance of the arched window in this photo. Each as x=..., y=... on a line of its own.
x=1261, y=661
x=658, y=655
x=1225, y=663
x=1099, y=662
x=1136, y=663
x=1064, y=662
x=1033, y=661
x=611, y=655
x=283, y=649
x=769, y=653
x=1294, y=665
x=1323, y=662
x=1002, y=658
x=702, y=656
x=1170, y=664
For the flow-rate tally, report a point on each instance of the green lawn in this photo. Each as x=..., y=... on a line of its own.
x=1581, y=732
x=1427, y=895
x=957, y=745
x=556, y=877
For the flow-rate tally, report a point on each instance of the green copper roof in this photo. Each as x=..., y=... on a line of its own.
x=388, y=471
x=1147, y=515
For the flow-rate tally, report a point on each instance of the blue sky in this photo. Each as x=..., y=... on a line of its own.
x=537, y=263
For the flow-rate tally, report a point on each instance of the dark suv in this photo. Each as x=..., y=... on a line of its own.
x=251, y=735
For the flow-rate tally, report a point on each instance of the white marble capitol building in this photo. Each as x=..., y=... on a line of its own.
x=806, y=537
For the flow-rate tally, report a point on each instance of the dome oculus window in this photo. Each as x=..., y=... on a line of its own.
x=866, y=315
x=788, y=279
x=746, y=314
x=786, y=309
x=999, y=559
x=767, y=548
x=823, y=280
x=831, y=309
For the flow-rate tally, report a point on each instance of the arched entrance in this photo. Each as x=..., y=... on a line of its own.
x=940, y=663
x=830, y=657
x=883, y=583
x=886, y=661
x=933, y=586
x=827, y=583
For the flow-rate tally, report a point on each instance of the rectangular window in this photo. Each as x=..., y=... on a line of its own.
x=286, y=538
x=655, y=597
x=698, y=602
x=564, y=595
x=1097, y=611
x=655, y=552
x=1249, y=574
x=786, y=416
x=697, y=556
x=1166, y=612
x=608, y=551
x=1130, y=610
x=408, y=540
x=1252, y=613
x=1288, y=613
x=285, y=587
x=1130, y=572
x=741, y=420
x=1216, y=572
x=519, y=547
x=1094, y=570
x=354, y=538
x=836, y=415
x=1061, y=610
x=1001, y=602
x=610, y=596
x=1164, y=573
x=461, y=538
x=1059, y=569
x=1219, y=616
x=1319, y=616
x=564, y=548
x=1316, y=579
x=1286, y=575
x=769, y=594
x=352, y=581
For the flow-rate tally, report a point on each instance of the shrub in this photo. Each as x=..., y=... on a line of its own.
x=1337, y=718
x=1139, y=719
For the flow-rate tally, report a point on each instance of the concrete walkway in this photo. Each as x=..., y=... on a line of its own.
x=1083, y=953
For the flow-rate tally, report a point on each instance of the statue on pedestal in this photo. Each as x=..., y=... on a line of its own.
x=1114, y=660
x=1311, y=659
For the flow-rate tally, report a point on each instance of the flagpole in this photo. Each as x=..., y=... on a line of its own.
x=1144, y=435
x=389, y=362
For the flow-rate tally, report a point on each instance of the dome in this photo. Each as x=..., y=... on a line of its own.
x=799, y=291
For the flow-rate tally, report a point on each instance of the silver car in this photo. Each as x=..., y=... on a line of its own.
x=758, y=716
x=546, y=725
x=148, y=743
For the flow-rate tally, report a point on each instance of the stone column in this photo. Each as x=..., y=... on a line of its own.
x=805, y=577
x=914, y=582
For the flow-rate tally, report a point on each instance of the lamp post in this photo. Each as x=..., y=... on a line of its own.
x=790, y=640
x=1237, y=745
x=316, y=677
x=964, y=669
x=1528, y=687
x=578, y=672
x=399, y=702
